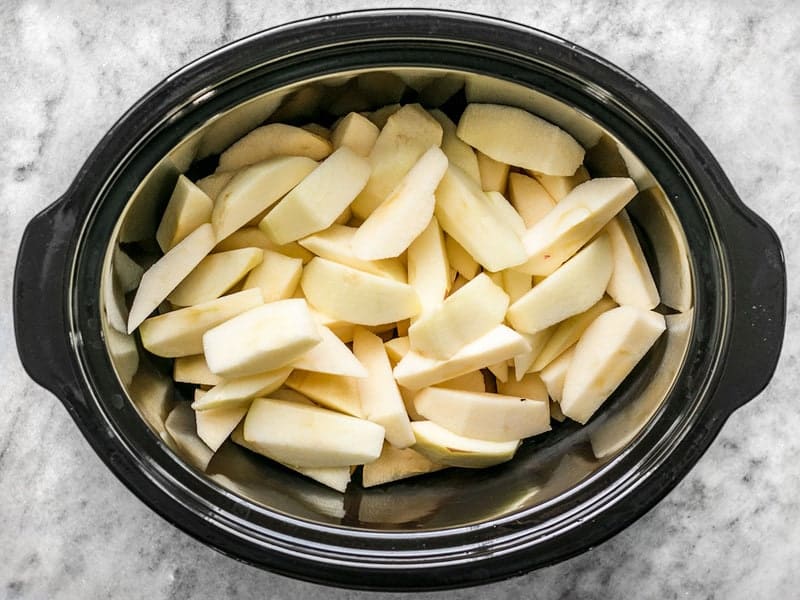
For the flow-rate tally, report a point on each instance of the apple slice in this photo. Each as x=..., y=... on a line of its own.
x=269, y=141
x=336, y=244
x=168, y=271
x=463, y=317
x=447, y=448
x=529, y=198
x=253, y=237
x=181, y=427
x=356, y=132
x=180, y=332
x=506, y=213
x=416, y=371
x=397, y=348
x=380, y=398
x=468, y=382
x=606, y=353
x=514, y=136
x=380, y=117
x=568, y=332
x=215, y=275
x=331, y=391
x=499, y=370
x=553, y=374
x=428, y=269
x=214, y=184
x=318, y=129
x=408, y=133
x=631, y=282
x=573, y=288
x=240, y=390
x=530, y=386
x=484, y=416
x=355, y=296
x=573, y=222
x=277, y=276
x=255, y=189
x=466, y=215
x=458, y=153
x=516, y=284
x=460, y=259
x=261, y=339
x=193, y=369
x=308, y=436
x=405, y=213
x=187, y=209
x=524, y=362
x=330, y=356
x=395, y=464
x=558, y=186
x=319, y=199
x=215, y=426
x=494, y=174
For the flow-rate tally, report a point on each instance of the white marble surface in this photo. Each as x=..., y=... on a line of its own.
x=69, y=68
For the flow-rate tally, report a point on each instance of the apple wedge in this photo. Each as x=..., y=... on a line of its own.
x=516, y=284
x=530, y=386
x=356, y=132
x=193, y=369
x=523, y=363
x=253, y=237
x=355, y=296
x=215, y=275
x=308, y=436
x=576, y=286
x=408, y=133
x=494, y=174
x=406, y=212
x=515, y=136
x=380, y=398
x=444, y=447
x=215, y=426
x=330, y=356
x=168, y=271
x=331, y=391
x=458, y=153
x=460, y=260
x=319, y=199
x=380, y=117
x=505, y=212
x=395, y=464
x=553, y=374
x=187, y=209
x=558, y=186
x=215, y=183
x=240, y=390
x=277, y=276
x=484, y=416
x=499, y=370
x=573, y=222
x=416, y=371
x=606, y=353
x=463, y=317
x=465, y=214
x=631, y=282
x=529, y=198
x=269, y=141
x=262, y=339
x=180, y=332
x=397, y=348
x=468, y=382
x=428, y=268
x=182, y=429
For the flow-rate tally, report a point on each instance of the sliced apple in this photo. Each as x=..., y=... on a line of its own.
x=468, y=382
x=447, y=448
x=530, y=386
x=308, y=436
x=253, y=237
x=465, y=214
x=380, y=398
x=380, y=117
x=215, y=426
x=529, y=198
x=516, y=284
x=187, y=209
x=318, y=129
x=558, y=186
x=460, y=259
x=214, y=184
x=255, y=189
x=568, y=332
x=215, y=275
x=428, y=268
x=180, y=425
x=277, y=276
x=168, y=271
x=395, y=464
x=193, y=369
x=406, y=212
x=269, y=141
x=631, y=282
x=408, y=133
x=499, y=370
x=319, y=199
x=416, y=371
x=606, y=353
x=397, y=348
x=330, y=356
x=494, y=174
x=573, y=222
x=355, y=296
x=553, y=374
x=240, y=390
x=262, y=339
x=331, y=391
x=523, y=362
x=505, y=212
x=356, y=132
x=458, y=153
x=573, y=288
x=180, y=332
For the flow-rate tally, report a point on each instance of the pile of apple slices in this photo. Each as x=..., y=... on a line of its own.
x=410, y=298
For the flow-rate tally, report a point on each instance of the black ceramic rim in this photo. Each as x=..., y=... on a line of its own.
x=738, y=330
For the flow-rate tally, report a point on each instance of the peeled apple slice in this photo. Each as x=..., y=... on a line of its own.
x=168, y=271
x=351, y=295
x=277, y=276
x=187, y=209
x=395, y=464
x=308, y=436
x=214, y=184
x=558, y=186
x=215, y=275
x=330, y=356
x=573, y=288
x=463, y=317
x=514, y=136
x=458, y=153
x=239, y=390
x=447, y=448
x=606, y=353
x=214, y=426
x=397, y=348
x=262, y=339
x=494, y=174
x=331, y=391
x=255, y=189
x=253, y=237
x=405, y=213
x=631, y=282
x=500, y=370
x=529, y=386
x=460, y=259
x=380, y=117
x=356, y=132
x=193, y=369
x=516, y=284
x=428, y=269
x=523, y=363
x=268, y=141
x=573, y=222
x=506, y=213
x=553, y=374
x=529, y=198
x=180, y=332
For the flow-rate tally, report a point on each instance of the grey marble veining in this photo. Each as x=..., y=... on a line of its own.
x=69, y=68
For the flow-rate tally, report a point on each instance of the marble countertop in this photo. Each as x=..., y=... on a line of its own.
x=68, y=69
